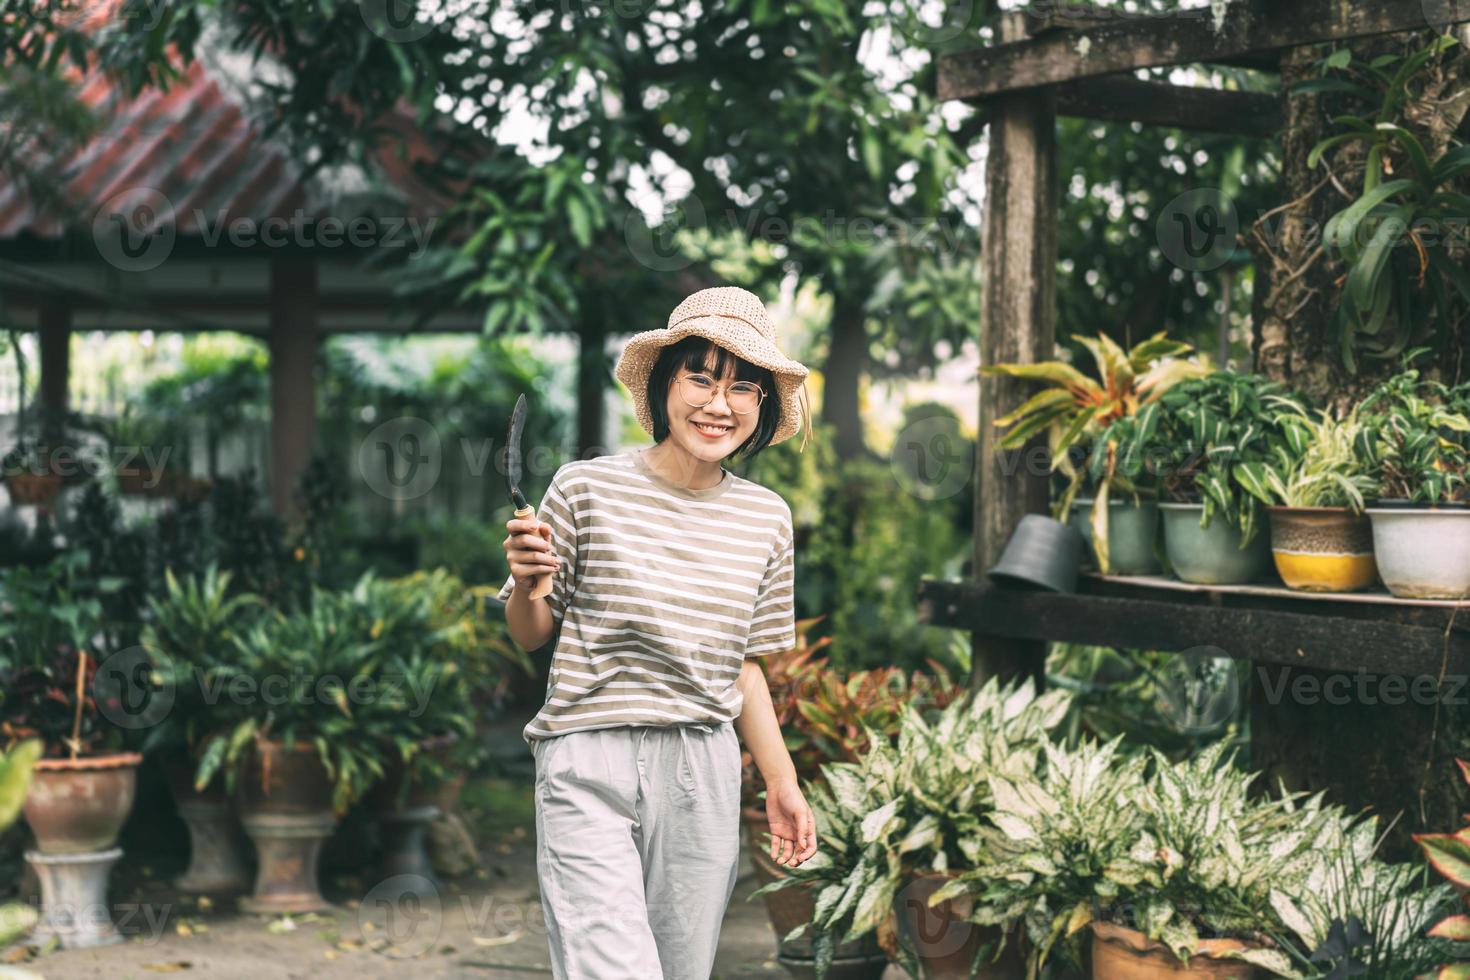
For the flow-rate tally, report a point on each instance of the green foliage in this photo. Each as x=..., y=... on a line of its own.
x=1318, y=463
x=1205, y=441
x=864, y=561
x=915, y=803
x=1414, y=437
x=1400, y=237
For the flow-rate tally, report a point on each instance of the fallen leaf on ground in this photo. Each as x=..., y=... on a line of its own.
x=169, y=966
x=504, y=940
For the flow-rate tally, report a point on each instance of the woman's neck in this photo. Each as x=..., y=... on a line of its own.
x=682, y=468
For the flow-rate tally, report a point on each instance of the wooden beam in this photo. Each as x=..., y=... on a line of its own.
x=1122, y=98
x=1017, y=324
x=1043, y=19
x=1122, y=44
x=55, y=336
x=293, y=350
x=1401, y=639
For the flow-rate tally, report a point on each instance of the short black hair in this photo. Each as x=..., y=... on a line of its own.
x=700, y=355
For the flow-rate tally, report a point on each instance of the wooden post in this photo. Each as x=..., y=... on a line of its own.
x=293, y=348
x=55, y=324
x=1017, y=324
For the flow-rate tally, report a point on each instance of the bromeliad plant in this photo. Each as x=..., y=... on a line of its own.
x=915, y=805
x=1206, y=441
x=1075, y=408
x=1449, y=854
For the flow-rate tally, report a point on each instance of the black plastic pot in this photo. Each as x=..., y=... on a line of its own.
x=1042, y=554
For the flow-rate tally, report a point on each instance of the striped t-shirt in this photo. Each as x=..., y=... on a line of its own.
x=661, y=595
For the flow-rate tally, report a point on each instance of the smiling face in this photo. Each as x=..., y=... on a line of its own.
x=714, y=431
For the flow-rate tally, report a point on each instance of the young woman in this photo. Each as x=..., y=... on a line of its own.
x=670, y=575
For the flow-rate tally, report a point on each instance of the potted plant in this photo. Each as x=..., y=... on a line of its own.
x=904, y=821
x=295, y=750
x=28, y=476
x=1321, y=540
x=1074, y=408
x=1449, y=855
x=189, y=633
x=1199, y=447
x=1415, y=437
x=826, y=717
x=82, y=789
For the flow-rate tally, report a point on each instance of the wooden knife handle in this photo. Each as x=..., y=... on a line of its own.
x=542, y=588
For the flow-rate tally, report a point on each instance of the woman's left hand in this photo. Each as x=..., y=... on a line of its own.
x=793, y=827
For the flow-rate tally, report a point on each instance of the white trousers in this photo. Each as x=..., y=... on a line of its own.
x=637, y=848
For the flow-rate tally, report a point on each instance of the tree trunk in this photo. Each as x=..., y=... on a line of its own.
x=847, y=361
x=591, y=384
x=1365, y=751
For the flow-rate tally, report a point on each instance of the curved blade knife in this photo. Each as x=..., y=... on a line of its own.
x=542, y=588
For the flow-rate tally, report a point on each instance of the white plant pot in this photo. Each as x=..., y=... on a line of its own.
x=1423, y=553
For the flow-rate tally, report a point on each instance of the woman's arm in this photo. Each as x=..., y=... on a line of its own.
x=793, y=828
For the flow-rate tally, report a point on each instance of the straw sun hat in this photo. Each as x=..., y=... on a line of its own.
x=736, y=320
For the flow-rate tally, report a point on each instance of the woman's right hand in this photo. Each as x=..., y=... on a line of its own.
x=528, y=549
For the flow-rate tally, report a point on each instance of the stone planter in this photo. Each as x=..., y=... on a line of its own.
x=1212, y=555
x=404, y=809
x=1131, y=531
x=1126, y=954
x=74, y=907
x=790, y=907
x=1423, y=552
x=218, y=858
x=78, y=806
x=1322, y=549
x=945, y=942
x=285, y=802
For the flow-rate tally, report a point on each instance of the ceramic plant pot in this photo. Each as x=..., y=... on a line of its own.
x=404, y=809
x=1423, y=552
x=33, y=489
x=1212, y=555
x=218, y=851
x=285, y=802
x=1126, y=954
x=944, y=939
x=78, y=806
x=790, y=907
x=1131, y=528
x=1042, y=554
x=1322, y=549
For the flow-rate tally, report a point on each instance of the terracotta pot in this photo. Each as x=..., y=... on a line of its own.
x=29, y=489
x=1119, y=953
x=285, y=802
x=945, y=941
x=790, y=907
x=1323, y=549
x=78, y=806
x=391, y=794
x=218, y=852
x=404, y=809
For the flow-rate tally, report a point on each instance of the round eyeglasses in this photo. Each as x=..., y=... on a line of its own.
x=698, y=390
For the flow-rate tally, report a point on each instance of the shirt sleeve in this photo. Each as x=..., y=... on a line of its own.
x=773, y=627
x=556, y=511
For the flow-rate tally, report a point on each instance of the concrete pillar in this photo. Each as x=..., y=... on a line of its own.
x=293, y=349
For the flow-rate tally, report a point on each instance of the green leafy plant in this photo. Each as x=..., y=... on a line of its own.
x=1449, y=855
x=190, y=636
x=1205, y=441
x=1318, y=463
x=915, y=804
x=1414, y=436
x=1400, y=237
x=15, y=780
